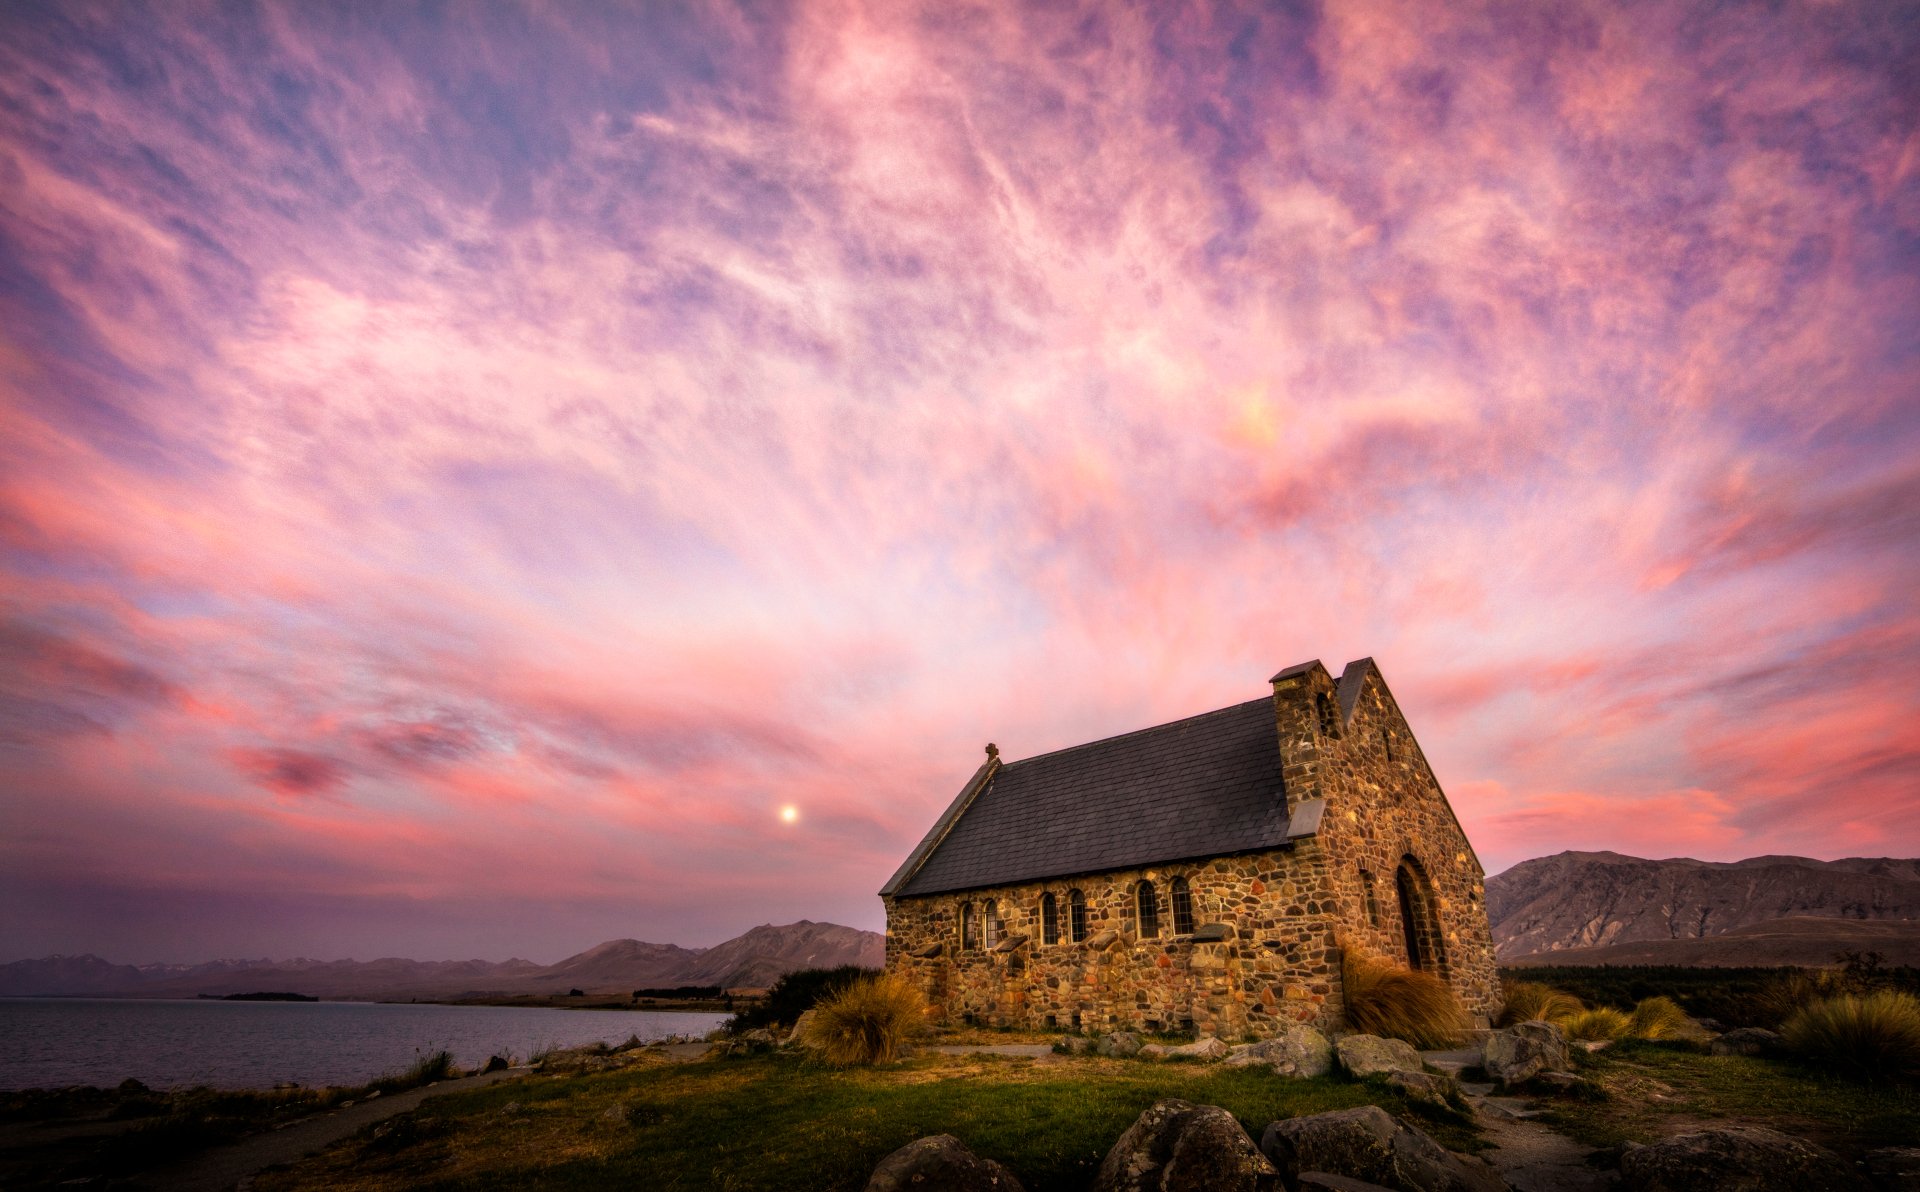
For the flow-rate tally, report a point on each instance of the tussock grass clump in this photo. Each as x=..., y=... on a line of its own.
x=1875, y=1036
x=1601, y=1022
x=1384, y=999
x=868, y=1021
x=1530, y=1001
x=1787, y=994
x=1662, y=1018
x=426, y=1068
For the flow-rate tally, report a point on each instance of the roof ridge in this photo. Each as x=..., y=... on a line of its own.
x=1265, y=699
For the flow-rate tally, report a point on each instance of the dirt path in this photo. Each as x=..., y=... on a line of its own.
x=228, y=1167
x=1529, y=1155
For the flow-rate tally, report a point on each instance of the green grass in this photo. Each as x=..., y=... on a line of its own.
x=1647, y=1085
x=778, y=1122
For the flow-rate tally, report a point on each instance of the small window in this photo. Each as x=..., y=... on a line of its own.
x=1182, y=900
x=1077, y=916
x=1373, y=903
x=1147, y=910
x=990, y=920
x=1386, y=742
x=966, y=925
x=1049, y=919
x=1329, y=723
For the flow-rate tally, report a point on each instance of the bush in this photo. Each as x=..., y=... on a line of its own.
x=1603, y=1022
x=1384, y=999
x=795, y=994
x=868, y=1021
x=1661, y=1018
x=1530, y=1001
x=1788, y=993
x=425, y=1069
x=1875, y=1036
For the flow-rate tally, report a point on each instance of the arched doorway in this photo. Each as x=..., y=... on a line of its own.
x=1419, y=923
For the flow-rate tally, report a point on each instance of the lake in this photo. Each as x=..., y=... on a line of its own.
x=53, y=1042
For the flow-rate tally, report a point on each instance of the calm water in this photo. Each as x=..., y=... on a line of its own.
x=51, y=1042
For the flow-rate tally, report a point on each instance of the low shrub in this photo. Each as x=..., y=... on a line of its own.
x=794, y=994
x=867, y=1022
x=1792, y=991
x=1662, y=1018
x=1530, y=1001
x=1875, y=1036
x=1384, y=999
x=1601, y=1022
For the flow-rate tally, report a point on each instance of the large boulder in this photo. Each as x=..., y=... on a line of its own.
x=1524, y=1050
x=1735, y=1159
x=940, y=1163
x=1207, y=1050
x=1298, y=1050
x=1177, y=1146
x=797, y=1037
x=1747, y=1040
x=1370, y=1055
x=1429, y=1087
x=1120, y=1044
x=1368, y=1144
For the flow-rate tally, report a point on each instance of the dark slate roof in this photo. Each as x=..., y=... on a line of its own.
x=1198, y=787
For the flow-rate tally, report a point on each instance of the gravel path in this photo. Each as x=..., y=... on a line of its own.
x=1529, y=1155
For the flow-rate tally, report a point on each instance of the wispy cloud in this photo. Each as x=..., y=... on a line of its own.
x=481, y=457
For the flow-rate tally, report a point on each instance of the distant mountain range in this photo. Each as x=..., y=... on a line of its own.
x=1608, y=907
x=754, y=960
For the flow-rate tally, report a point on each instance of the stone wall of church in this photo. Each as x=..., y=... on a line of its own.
x=1262, y=952
x=1385, y=814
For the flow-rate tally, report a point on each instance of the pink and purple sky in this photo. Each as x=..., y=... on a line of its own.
x=467, y=468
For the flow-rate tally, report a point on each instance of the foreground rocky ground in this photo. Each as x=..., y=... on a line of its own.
x=1521, y=1110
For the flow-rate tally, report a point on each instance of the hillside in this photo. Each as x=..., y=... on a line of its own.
x=1803, y=940
x=1590, y=900
x=756, y=958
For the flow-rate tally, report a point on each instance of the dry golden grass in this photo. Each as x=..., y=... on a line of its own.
x=1530, y=1001
x=1662, y=1018
x=1873, y=1037
x=1601, y=1022
x=868, y=1022
x=1384, y=999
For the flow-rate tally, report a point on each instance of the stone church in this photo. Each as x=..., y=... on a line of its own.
x=1203, y=874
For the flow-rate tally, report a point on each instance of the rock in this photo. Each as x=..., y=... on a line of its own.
x=1177, y=1146
x=1298, y=1050
x=1370, y=1055
x=1207, y=1050
x=797, y=1037
x=1895, y=1167
x=1426, y=1087
x=1735, y=1159
x=1152, y=1051
x=1074, y=1045
x=1748, y=1040
x=1326, y=1181
x=1367, y=1144
x=1523, y=1051
x=762, y=1038
x=940, y=1163
x=1560, y=1082
x=495, y=1063
x=1120, y=1044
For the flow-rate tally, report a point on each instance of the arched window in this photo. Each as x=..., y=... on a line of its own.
x=1146, y=910
x=1077, y=916
x=991, y=921
x=1418, y=921
x=1329, y=723
x=1049, y=919
x=1373, y=902
x=1182, y=899
x=966, y=925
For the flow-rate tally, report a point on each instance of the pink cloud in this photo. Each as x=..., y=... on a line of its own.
x=559, y=448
